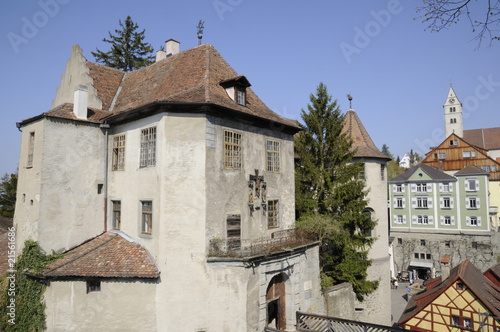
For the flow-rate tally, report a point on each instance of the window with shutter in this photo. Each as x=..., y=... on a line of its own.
x=233, y=222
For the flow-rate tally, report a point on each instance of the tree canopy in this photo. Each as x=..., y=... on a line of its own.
x=331, y=195
x=483, y=16
x=128, y=50
x=8, y=189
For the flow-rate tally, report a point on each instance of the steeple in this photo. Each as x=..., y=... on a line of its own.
x=453, y=120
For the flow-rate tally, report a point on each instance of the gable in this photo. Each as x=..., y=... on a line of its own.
x=419, y=175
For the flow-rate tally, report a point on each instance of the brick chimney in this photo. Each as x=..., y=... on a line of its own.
x=80, y=102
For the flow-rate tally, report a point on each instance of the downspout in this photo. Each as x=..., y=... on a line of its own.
x=105, y=126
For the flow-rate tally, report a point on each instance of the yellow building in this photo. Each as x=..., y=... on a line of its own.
x=466, y=300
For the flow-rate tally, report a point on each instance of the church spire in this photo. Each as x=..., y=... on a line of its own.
x=453, y=119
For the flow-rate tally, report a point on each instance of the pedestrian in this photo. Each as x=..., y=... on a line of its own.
x=396, y=284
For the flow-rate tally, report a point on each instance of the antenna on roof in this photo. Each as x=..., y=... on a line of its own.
x=200, y=31
x=350, y=101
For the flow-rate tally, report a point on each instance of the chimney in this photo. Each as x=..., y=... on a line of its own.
x=172, y=47
x=160, y=55
x=80, y=102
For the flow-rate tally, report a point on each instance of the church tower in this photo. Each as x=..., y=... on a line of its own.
x=453, y=121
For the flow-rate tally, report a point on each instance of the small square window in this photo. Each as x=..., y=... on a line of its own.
x=93, y=286
x=447, y=244
x=474, y=245
x=400, y=240
x=416, y=255
x=422, y=242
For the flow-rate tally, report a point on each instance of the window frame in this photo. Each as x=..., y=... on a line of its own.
x=147, y=153
x=240, y=96
x=146, y=226
x=273, y=158
x=31, y=149
x=233, y=150
x=273, y=210
x=118, y=150
x=116, y=214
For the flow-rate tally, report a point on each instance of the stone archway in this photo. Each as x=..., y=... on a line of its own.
x=276, y=303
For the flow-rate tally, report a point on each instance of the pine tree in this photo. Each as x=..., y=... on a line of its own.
x=331, y=197
x=8, y=189
x=128, y=49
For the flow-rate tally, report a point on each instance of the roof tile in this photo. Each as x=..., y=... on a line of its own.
x=108, y=255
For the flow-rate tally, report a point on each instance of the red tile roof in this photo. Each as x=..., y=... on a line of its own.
x=191, y=77
x=106, y=80
x=362, y=141
x=487, y=138
x=108, y=255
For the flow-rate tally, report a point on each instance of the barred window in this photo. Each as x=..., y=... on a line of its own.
x=116, y=218
x=148, y=147
x=147, y=217
x=118, y=162
x=273, y=156
x=232, y=150
x=31, y=149
x=272, y=213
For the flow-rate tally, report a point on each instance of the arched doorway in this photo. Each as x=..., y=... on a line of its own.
x=276, y=303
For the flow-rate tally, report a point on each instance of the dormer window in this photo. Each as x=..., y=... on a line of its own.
x=236, y=89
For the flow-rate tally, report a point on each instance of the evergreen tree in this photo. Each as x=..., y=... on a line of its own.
x=385, y=150
x=8, y=189
x=331, y=197
x=128, y=49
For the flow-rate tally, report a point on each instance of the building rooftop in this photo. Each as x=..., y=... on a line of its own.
x=108, y=255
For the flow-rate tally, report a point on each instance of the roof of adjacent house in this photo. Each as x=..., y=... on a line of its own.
x=196, y=76
x=486, y=138
x=362, y=141
x=471, y=170
x=432, y=172
x=485, y=291
x=108, y=255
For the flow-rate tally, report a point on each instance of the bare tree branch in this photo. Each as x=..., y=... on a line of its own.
x=442, y=14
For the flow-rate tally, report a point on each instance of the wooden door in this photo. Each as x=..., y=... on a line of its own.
x=276, y=303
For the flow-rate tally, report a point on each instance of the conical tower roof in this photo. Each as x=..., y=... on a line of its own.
x=361, y=139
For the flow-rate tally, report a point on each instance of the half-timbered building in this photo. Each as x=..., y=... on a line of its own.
x=465, y=300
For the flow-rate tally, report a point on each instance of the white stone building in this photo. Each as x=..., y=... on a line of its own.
x=172, y=190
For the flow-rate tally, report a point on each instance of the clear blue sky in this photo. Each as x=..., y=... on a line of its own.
x=398, y=73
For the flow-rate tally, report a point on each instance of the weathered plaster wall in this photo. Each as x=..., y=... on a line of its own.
x=59, y=194
x=76, y=73
x=72, y=172
x=379, y=270
x=341, y=301
x=119, y=306
x=243, y=288
x=228, y=189
x=27, y=212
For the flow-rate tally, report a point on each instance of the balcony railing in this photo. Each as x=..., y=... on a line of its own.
x=280, y=241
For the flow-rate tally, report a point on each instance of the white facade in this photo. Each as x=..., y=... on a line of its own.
x=453, y=117
x=176, y=194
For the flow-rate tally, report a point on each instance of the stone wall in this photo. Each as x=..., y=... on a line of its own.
x=481, y=249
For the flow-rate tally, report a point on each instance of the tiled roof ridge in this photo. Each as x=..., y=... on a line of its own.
x=84, y=253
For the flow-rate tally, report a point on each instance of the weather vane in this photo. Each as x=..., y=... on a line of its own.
x=350, y=101
x=200, y=31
